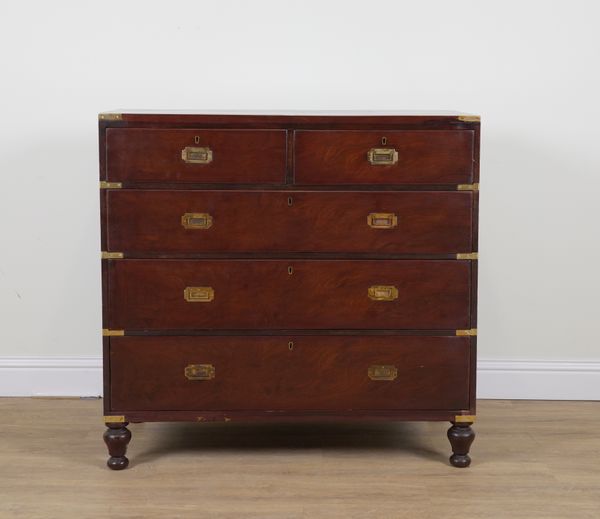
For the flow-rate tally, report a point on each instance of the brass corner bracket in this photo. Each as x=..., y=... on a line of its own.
x=114, y=419
x=469, y=118
x=467, y=256
x=110, y=185
x=111, y=255
x=464, y=418
x=467, y=333
x=110, y=117
x=112, y=333
x=467, y=187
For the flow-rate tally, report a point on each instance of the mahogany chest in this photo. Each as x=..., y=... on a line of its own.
x=289, y=267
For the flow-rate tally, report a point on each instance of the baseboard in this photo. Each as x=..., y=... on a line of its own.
x=511, y=379
x=50, y=376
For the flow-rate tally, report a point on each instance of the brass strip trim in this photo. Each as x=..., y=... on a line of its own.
x=110, y=117
x=469, y=118
x=464, y=418
x=114, y=419
x=467, y=187
x=112, y=333
x=110, y=185
x=467, y=333
x=111, y=255
x=467, y=256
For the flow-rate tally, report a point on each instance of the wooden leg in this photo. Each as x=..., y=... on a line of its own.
x=117, y=437
x=461, y=437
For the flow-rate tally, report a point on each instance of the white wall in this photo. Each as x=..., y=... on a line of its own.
x=529, y=68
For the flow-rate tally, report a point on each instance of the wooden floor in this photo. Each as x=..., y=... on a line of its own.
x=530, y=460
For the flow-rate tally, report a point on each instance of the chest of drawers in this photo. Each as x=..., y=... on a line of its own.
x=289, y=267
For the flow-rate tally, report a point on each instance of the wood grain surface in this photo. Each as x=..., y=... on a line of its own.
x=246, y=156
x=262, y=294
x=289, y=373
x=289, y=221
x=531, y=460
x=424, y=157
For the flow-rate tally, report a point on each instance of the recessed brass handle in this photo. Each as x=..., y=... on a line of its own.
x=197, y=155
x=382, y=156
x=198, y=294
x=379, y=372
x=197, y=221
x=382, y=220
x=383, y=293
x=199, y=372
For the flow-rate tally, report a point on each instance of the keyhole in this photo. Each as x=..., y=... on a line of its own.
x=290, y=270
x=290, y=201
x=384, y=141
x=291, y=345
x=197, y=139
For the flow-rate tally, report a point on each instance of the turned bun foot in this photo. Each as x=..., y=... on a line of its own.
x=461, y=437
x=117, y=437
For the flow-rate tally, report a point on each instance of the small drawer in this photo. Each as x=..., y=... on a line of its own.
x=289, y=294
x=312, y=373
x=183, y=222
x=196, y=156
x=384, y=157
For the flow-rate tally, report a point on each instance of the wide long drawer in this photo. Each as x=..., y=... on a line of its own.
x=289, y=294
x=196, y=156
x=289, y=373
x=289, y=221
x=384, y=157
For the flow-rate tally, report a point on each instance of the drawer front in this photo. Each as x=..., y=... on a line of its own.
x=290, y=294
x=279, y=221
x=408, y=157
x=289, y=373
x=203, y=156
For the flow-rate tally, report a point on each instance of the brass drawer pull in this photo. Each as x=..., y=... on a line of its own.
x=383, y=293
x=197, y=221
x=199, y=372
x=194, y=155
x=382, y=220
x=198, y=294
x=377, y=372
x=382, y=156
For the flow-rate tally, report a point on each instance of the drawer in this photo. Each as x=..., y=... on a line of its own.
x=203, y=156
x=289, y=294
x=312, y=373
x=408, y=157
x=279, y=221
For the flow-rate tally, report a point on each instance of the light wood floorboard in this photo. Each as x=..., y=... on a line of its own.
x=530, y=460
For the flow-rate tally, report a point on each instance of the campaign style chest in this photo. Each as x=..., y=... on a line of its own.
x=289, y=267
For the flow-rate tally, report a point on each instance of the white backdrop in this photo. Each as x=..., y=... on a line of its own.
x=529, y=68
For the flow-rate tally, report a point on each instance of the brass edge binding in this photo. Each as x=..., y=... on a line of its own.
x=110, y=185
x=110, y=117
x=114, y=419
x=464, y=418
x=467, y=187
x=467, y=256
x=112, y=333
x=469, y=118
x=111, y=255
x=467, y=333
